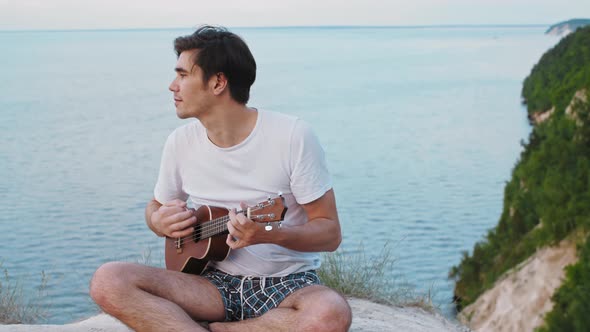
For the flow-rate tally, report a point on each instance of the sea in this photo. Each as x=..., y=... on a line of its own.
x=421, y=126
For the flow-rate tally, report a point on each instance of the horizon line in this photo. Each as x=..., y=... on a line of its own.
x=428, y=26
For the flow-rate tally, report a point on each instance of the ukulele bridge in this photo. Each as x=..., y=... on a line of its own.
x=178, y=246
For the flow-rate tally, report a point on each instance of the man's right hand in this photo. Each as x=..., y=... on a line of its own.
x=173, y=219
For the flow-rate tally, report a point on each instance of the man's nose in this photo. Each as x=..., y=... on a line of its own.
x=173, y=86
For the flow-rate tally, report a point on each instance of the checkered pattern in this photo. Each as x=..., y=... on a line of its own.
x=249, y=297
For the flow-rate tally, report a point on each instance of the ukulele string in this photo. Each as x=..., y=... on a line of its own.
x=203, y=231
x=209, y=228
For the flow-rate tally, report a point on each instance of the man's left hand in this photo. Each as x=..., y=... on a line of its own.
x=242, y=231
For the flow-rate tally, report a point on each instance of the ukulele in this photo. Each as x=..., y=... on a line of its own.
x=191, y=254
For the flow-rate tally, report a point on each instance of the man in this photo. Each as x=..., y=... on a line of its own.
x=234, y=154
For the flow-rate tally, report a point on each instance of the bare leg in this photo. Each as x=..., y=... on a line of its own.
x=153, y=299
x=313, y=308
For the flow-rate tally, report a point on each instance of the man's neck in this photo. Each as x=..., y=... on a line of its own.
x=230, y=124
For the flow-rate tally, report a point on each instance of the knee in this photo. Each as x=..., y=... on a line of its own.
x=332, y=314
x=108, y=283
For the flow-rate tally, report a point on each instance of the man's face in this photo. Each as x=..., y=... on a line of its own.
x=191, y=96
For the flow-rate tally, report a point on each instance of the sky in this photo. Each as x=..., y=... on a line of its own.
x=129, y=14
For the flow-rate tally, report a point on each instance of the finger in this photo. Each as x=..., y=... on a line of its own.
x=233, y=218
x=229, y=241
x=166, y=211
x=184, y=224
x=243, y=205
x=183, y=233
x=184, y=215
x=232, y=243
x=177, y=222
x=232, y=214
x=233, y=231
x=242, y=219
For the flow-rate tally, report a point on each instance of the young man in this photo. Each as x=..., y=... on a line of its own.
x=234, y=154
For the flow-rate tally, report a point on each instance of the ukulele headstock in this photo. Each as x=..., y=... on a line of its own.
x=270, y=210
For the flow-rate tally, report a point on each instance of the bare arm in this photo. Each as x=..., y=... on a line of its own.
x=172, y=219
x=320, y=233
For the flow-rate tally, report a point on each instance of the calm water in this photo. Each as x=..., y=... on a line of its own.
x=421, y=129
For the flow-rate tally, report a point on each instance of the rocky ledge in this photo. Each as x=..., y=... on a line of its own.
x=367, y=317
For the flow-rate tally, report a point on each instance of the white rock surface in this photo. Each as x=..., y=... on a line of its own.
x=367, y=316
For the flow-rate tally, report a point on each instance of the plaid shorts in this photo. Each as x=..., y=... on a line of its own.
x=248, y=297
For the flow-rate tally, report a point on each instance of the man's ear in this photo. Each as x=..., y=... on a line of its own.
x=218, y=83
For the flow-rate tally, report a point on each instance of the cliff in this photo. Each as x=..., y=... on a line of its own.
x=521, y=298
x=560, y=72
x=567, y=27
x=531, y=270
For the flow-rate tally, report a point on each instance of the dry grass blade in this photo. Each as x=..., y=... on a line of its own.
x=355, y=274
x=15, y=307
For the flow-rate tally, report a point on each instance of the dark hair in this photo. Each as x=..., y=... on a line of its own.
x=221, y=51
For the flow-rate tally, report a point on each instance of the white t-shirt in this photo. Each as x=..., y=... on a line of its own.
x=281, y=154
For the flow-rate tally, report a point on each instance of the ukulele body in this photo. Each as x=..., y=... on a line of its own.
x=192, y=254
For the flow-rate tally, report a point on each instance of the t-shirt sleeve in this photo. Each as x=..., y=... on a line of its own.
x=310, y=178
x=169, y=185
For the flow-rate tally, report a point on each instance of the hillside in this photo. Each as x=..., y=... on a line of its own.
x=566, y=27
x=547, y=198
x=559, y=74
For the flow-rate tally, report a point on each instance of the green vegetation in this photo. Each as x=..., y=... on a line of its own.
x=355, y=274
x=559, y=74
x=572, y=299
x=548, y=197
x=15, y=308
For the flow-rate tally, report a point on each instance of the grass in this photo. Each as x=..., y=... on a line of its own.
x=15, y=306
x=357, y=275
x=354, y=274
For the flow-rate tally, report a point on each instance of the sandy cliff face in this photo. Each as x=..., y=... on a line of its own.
x=539, y=117
x=521, y=298
x=567, y=27
x=561, y=30
x=580, y=96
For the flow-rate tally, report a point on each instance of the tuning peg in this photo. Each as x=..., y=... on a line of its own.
x=268, y=227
